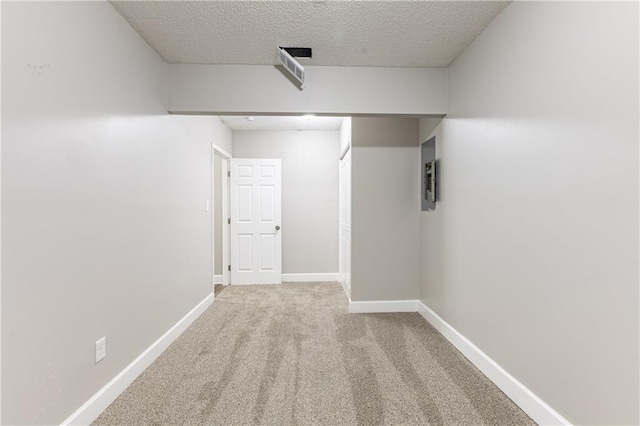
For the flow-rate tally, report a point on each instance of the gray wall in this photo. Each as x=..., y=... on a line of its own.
x=532, y=252
x=309, y=193
x=103, y=204
x=246, y=89
x=385, y=192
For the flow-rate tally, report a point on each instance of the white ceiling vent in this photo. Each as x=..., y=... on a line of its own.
x=295, y=69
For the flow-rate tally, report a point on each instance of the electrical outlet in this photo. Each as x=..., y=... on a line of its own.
x=101, y=349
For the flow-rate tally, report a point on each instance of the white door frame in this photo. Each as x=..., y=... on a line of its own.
x=215, y=149
x=226, y=226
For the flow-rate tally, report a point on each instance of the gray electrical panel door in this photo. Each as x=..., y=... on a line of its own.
x=428, y=189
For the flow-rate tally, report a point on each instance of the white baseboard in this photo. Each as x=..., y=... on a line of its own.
x=217, y=279
x=105, y=396
x=297, y=278
x=529, y=402
x=383, y=306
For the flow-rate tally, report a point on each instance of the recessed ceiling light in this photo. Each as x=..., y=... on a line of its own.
x=250, y=119
x=309, y=116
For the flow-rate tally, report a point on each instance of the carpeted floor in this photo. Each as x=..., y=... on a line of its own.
x=291, y=354
x=217, y=288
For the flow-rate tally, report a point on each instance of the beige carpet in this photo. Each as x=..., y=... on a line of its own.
x=217, y=288
x=291, y=354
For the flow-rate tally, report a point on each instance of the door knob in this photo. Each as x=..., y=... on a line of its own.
x=277, y=227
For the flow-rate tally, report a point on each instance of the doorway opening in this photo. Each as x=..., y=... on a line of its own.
x=286, y=214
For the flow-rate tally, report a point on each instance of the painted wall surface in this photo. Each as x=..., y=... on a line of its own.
x=532, y=252
x=103, y=209
x=385, y=209
x=248, y=89
x=309, y=193
x=209, y=130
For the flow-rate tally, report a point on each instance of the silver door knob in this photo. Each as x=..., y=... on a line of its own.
x=277, y=227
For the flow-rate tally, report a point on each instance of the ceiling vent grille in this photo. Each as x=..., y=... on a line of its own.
x=291, y=65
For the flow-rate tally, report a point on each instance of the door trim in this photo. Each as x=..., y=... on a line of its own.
x=215, y=149
x=226, y=227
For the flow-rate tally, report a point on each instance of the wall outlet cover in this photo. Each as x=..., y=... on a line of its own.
x=101, y=349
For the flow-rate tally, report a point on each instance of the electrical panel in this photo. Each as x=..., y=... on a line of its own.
x=429, y=189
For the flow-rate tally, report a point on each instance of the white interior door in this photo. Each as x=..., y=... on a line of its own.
x=256, y=240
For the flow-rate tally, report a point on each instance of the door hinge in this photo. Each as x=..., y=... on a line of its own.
x=229, y=268
x=229, y=221
x=229, y=173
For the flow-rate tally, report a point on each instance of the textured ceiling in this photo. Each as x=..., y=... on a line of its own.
x=341, y=32
x=303, y=122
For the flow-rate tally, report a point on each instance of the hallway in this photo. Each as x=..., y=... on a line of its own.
x=292, y=354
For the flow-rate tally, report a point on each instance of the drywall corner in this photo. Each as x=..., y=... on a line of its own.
x=426, y=126
x=223, y=136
